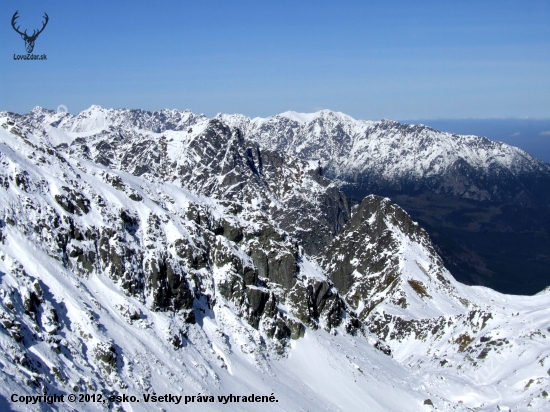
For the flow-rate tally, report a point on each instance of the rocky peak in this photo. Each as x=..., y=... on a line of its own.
x=374, y=264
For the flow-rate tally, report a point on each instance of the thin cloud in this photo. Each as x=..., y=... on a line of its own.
x=545, y=133
x=516, y=134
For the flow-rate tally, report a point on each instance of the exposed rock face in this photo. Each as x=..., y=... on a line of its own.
x=315, y=300
x=217, y=161
x=476, y=197
x=369, y=262
x=239, y=238
x=367, y=246
x=105, y=353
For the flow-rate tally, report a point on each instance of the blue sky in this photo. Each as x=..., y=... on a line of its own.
x=370, y=59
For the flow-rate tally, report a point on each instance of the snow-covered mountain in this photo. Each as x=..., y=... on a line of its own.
x=389, y=156
x=138, y=257
x=365, y=155
x=485, y=204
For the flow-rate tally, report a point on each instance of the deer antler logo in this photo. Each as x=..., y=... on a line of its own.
x=29, y=40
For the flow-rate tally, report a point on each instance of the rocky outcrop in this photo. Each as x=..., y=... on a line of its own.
x=361, y=260
x=244, y=248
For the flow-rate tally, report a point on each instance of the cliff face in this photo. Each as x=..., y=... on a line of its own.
x=485, y=204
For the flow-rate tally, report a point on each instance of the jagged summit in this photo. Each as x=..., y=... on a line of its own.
x=299, y=117
x=395, y=151
x=304, y=118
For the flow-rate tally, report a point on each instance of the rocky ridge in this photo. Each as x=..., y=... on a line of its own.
x=374, y=156
x=476, y=197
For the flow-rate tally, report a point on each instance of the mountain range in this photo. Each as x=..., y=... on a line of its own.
x=486, y=205
x=168, y=253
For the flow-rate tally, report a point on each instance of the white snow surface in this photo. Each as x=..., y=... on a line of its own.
x=324, y=370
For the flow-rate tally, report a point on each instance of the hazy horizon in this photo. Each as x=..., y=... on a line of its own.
x=395, y=60
x=468, y=67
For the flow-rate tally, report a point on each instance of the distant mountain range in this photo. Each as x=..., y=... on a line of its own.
x=529, y=134
x=389, y=156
